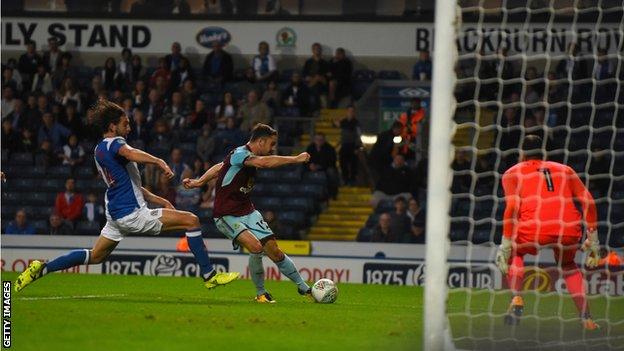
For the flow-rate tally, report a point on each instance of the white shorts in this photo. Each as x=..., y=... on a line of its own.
x=142, y=221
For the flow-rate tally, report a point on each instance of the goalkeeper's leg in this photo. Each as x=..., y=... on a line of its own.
x=574, y=280
x=515, y=277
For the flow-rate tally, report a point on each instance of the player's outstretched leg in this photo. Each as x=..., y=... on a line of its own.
x=574, y=282
x=256, y=269
x=286, y=266
x=181, y=220
x=515, y=277
x=36, y=269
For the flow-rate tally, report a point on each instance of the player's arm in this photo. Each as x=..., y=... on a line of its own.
x=205, y=178
x=590, y=216
x=155, y=199
x=139, y=156
x=512, y=205
x=275, y=161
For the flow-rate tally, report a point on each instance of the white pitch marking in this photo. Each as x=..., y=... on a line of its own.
x=70, y=297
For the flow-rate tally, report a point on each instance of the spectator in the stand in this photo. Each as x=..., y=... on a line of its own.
x=32, y=115
x=27, y=142
x=229, y=139
x=218, y=65
x=189, y=94
x=70, y=94
x=174, y=59
x=45, y=155
x=410, y=122
x=383, y=231
x=139, y=94
x=28, y=63
x=8, y=79
x=110, y=76
x=161, y=138
x=323, y=159
x=603, y=70
x=181, y=74
x=162, y=87
x=264, y=64
x=71, y=120
x=253, y=112
x=200, y=116
x=422, y=68
x=69, y=203
x=164, y=188
x=400, y=222
x=177, y=164
x=52, y=56
x=315, y=72
x=20, y=225
x=64, y=70
x=162, y=71
x=226, y=109
x=137, y=71
x=572, y=67
x=140, y=7
x=94, y=90
x=15, y=74
x=124, y=68
x=154, y=107
x=10, y=137
x=139, y=136
x=461, y=165
x=8, y=101
x=93, y=210
x=187, y=199
x=296, y=98
x=72, y=153
x=175, y=113
x=59, y=227
x=350, y=143
x=396, y=180
x=340, y=72
x=418, y=218
x=42, y=81
x=53, y=131
x=272, y=97
x=206, y=143
x=384, y=148
x=181, y=7
x=599, y=168
x=18, y=117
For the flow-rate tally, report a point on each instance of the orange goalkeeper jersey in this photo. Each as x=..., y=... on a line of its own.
x=540, y=197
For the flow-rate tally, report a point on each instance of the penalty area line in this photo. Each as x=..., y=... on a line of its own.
x=77, y=297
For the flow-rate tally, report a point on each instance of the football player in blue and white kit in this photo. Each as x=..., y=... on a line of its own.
x=126, y=205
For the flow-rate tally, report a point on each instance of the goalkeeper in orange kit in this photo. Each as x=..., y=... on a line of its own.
x=540, y=213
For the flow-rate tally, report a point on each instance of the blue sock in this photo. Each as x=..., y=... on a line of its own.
x=72, y=259
x=196, y=244
x=256, y=270
x=287, y=267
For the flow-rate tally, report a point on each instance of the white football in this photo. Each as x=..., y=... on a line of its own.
x=324, y=291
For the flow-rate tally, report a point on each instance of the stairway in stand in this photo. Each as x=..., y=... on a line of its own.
x=345, y=216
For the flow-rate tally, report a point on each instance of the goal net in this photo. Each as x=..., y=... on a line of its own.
x=548, y=68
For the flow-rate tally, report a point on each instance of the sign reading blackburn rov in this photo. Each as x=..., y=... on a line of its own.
x=208, y=35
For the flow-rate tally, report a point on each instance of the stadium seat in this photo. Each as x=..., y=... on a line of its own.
x=41, y=226
x=316, y=191
x=372, y=220
x=40, y=212
x=266, y=175
x=384, y=206
x=269, y=203
x=298, y=203
x=389, y=75
x=53, y=185
x=84, y=172
x=13, y=198
x=5, y=156
x=480, y=236
x=8, y=212
x=364, y=75
x=21, y=159
x=87, y=228
x=40, y=198
x=280, y=189
x=296, y=218
x=365, y=234
x=286, y=75
x=262, y=189
x=62, y=172
x=21, y=184
x=315, y=177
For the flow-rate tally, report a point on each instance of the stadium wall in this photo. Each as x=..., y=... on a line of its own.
x=389, y=264
x=373, y=45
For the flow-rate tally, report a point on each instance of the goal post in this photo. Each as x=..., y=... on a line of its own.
x=439, y=174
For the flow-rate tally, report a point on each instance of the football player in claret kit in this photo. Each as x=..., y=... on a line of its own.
x=126, y=204
x=540, y=213
x=235, y=214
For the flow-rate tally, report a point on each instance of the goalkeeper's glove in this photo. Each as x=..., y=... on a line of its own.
x=503, y=254
x=591, y=247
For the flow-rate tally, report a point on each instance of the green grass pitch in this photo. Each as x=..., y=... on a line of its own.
x=109, y=312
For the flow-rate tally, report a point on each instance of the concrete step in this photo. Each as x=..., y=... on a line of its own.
x=339, y=223
x=349, y=211
x=340, y=217
x=333, y=231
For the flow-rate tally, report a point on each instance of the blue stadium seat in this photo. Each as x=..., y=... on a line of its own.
x=21, y=184
x=480, y=236
x=262, y=189
x=13, y=198
x=40, y=199
x=315, y=177
x=41, y=226
x=8, y=212
x=290, y=175
x=298, y=203
x=364, y=75
x=61, y=172
x=87, y=228
x=21, y=159
x=266, y=175
x=461, y=208
x=52, y=184
x=296, y=218
x=282, y=189
x=85, y=172
x=316, y=191
x=389, y=75
x=269, y=203
x=40, y=212
x=372, y=220
x=5, y=156
x=365, y=234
